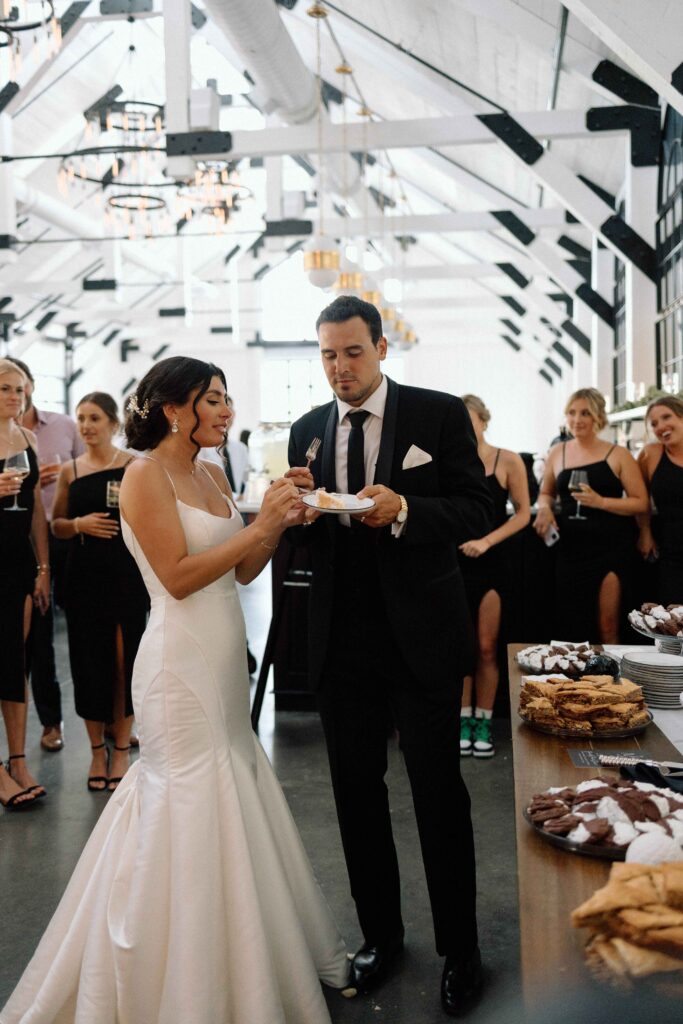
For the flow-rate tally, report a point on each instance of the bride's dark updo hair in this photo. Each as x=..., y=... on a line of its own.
x=169, y=381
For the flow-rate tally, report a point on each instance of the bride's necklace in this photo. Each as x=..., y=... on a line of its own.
x=101, y=469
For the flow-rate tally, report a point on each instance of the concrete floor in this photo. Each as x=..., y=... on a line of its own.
x=38, y=851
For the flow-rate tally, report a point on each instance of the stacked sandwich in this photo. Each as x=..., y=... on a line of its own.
x=636, y=923
x=591, y=704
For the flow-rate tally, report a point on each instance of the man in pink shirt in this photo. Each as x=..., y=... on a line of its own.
x=58, y=441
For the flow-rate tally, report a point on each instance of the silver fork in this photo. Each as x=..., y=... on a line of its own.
x=665, y=767
x=312, y=451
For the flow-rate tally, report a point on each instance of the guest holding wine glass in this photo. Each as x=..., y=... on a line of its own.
x=597, y=540
x=23, y=583
x=485, y=571
x=661, y=462
x=105, y=599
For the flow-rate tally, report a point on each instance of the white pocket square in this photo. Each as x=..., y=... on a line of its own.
x=415, y=457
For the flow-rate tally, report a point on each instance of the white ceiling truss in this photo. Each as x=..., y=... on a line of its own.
x=474, y=105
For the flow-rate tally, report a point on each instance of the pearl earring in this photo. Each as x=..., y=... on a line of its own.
x=174, y=426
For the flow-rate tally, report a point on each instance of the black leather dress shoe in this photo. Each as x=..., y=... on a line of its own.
x=371, y=964
x=461, y=984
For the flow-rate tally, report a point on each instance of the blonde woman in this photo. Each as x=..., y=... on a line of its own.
x=24, y=580
x=485, y=573
x=597, y=540
x=662, y=466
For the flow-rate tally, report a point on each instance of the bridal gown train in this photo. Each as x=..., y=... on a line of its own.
x=194, y=901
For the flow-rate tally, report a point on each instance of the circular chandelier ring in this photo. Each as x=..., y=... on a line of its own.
x=32, y=25
x=10, y=37
x=130, y=108
x=131, y=201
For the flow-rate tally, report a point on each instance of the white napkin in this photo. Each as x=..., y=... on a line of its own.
x=415, y=457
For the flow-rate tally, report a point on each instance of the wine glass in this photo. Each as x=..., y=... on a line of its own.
x=576, y=479
x=17, y=465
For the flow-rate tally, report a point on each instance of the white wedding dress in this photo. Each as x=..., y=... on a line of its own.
x=194, y=901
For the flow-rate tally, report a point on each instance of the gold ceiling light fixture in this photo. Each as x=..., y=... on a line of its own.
x=321, y=256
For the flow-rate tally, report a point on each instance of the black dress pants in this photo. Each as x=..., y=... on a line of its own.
x=41, y=651
x=364, y=686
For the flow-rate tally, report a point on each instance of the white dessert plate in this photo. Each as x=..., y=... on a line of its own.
x=350, y=501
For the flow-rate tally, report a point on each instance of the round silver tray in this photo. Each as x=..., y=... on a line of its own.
x=583, y=849
x=583, y=734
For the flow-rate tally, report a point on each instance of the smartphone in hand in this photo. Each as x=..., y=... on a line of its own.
x=551, y=536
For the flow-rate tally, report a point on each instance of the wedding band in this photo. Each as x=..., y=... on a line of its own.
x=362, y=519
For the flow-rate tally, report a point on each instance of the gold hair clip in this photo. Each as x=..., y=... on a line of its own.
x=134, y=407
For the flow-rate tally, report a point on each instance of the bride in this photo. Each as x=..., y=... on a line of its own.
x=193, y=901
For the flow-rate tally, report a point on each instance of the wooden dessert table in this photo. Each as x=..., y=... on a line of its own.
x=552, y=882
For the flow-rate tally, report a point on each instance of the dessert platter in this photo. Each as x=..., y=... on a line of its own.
x=659, y=674
x=613, y=820
x=570, y=659
x=589, y=707
x=663, y=625
x=337, y=504
x=636, y=928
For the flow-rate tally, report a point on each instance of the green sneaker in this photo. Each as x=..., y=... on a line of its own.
x=483, y=741
x=466, y=726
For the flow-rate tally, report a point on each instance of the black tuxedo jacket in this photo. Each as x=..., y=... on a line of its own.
x=448, y=503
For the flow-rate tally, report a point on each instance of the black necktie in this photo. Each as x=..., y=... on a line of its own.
x=356, y=452
x=228, y=471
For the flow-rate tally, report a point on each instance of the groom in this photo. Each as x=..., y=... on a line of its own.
x=390, y=635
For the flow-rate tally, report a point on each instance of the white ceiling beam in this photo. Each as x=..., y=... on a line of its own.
x=430, y=223
x=455, y=271
x=178, y=78
x=646, y=36
x=28, y=80
x=463, y=130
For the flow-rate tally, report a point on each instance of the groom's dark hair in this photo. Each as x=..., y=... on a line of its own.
x=348, y=306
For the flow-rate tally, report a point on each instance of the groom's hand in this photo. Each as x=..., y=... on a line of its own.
x=301, y=478
x=387, y=506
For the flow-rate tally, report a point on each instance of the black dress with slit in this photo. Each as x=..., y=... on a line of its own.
x=491, y=570
x=666, y=489
x=103, y=591
x=589, y=549
x=17, y=579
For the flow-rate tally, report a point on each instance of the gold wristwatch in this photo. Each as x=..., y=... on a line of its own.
x=403, y=514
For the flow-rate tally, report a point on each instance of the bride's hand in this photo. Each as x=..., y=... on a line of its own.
x=278, y=501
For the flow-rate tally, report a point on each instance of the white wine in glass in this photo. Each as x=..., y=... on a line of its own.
x=577, y=478
x=18, y=466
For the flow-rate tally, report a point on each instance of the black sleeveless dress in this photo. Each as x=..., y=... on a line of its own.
x=589, y=549
x=17, y=579
x=103, y=590
x=491, y=570
x=666, y=489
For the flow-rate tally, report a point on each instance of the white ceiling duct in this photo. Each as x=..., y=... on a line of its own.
x=285, y=85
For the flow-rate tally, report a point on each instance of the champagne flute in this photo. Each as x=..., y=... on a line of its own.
x=17, y=465
x=577, y=478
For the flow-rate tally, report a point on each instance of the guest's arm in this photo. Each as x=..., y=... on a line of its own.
x=648, y=458
x=545, y=516
x=636, y=500
x=39, y=538
x=518, y=487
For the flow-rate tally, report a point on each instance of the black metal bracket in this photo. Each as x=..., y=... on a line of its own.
x=127, y=346
x=643, y=123
x=198, y=143
x=514, y=274
x=101, y=284
x=511, y=327
x=623, y=84
x=546, y=376
x=677, y=78
x=553, y=366
x=126, y=6
x=286, y=228
x=7, y=241
x=574, y=332
x=511, y=342
x=563, y=352
x=512, y=302
x=517, y=227
x=518, y=139
x=628, y=241
x=7, y=93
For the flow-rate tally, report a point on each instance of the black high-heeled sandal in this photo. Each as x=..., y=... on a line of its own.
x=29, y=789
x=15, y=803
x=99, y=778
x=113, y=782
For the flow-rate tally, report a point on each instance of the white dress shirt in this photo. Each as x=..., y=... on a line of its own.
x=372, y=430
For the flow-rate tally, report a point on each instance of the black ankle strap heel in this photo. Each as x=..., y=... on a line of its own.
x=37, y=790
x=103, y=779
x=115, y=779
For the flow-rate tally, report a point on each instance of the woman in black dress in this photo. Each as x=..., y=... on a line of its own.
x=596, y=552
x=661, y=536
x=24, y=580
x=104, y=597
x=485, y=572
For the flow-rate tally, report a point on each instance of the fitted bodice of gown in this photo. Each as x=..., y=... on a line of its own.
x=194, y=900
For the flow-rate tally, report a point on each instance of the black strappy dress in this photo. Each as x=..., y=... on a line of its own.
x=17, y=579
x=589, y=549
x=491, y=570
x=103, y=590
x=666, y=489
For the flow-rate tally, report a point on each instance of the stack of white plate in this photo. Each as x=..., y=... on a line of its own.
x=659, y=674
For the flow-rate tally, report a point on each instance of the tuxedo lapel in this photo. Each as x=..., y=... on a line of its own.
x=329, y=472
x=387, y=443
